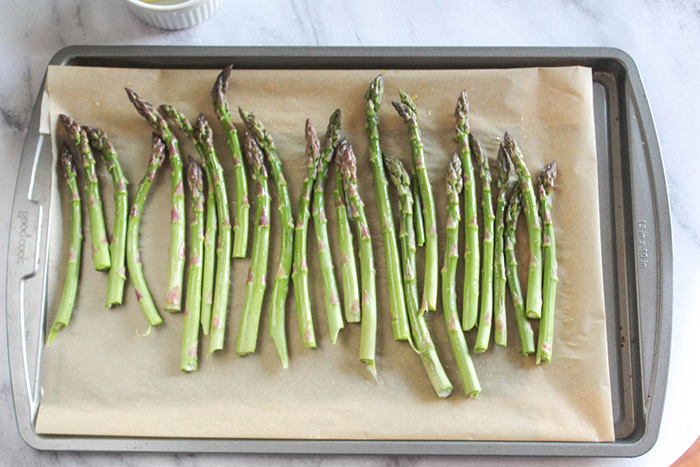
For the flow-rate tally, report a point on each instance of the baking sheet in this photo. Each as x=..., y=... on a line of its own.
x=102, y=378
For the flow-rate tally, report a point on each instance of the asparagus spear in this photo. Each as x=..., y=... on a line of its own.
x=240, y=223
x=209, y=262
x=471, y=248
x=418, y=213
x=527, y=339
x=499, y=268
x=133, y=259
x=351, y=289
x=470, y=381
x=300, y=269
x=255, y=287
x=203, y=133
x=98, y=233
x=280, y=287
x=549, y=290
x=75, y=245
x=347, y=165
x=117, y=246
x=176, y=258
x=533, y=306
x=330, y=288
x=407, y=110
x=193, y=302
x=399, y=320
x=486, y=312
x=422, y=342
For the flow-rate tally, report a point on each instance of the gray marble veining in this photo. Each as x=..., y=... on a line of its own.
x=661, y=36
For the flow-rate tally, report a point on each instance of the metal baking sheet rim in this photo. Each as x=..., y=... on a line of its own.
x=31, y=217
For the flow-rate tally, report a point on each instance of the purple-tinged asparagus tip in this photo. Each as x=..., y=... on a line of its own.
x=221, y=85
x=194, y=176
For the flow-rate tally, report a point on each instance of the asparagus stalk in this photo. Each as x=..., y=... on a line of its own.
x=133, y=259
x=255, y=287
x=407, y=110
x=486, y=312
x=527, y=339
x=422, y=342
x=203, y=133
x=117, y=246
x=240, y=223
x=193, y=302
x=533, y=306
x=75, y=245
x=300, y=268
x=499, y=268
x=318, y=210
x=470, y=309
x=549, y=290
x=351, y=288
x=399, y=320
x=347, y=165
x=209, y=266
x=98, y=232
x=280, y=287
x=176, y=258
x=418, y=213
x=209, y=262
x=470, y=381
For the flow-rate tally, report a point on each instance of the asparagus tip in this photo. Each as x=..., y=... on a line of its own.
x=375, y=91
x=454, y=174
x=547, y=176
x=194, y=175
x=157, y=150
x=132, y=95
x=220, y=88
x=503, y=164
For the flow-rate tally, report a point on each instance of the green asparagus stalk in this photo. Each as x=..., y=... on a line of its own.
x=422, y=342
x=533, y=306
x=193, y=302
x=209, y=266
x=133, y=258
x=399, y=319
x=280, y=287
x=204, y=135
x=176, y=258
x=209, y=262
x=470, y=381
x=318, y=210
x=98, y=232
x=75, y=246
x=347, y=165
x=257, y=275
x=499, y=268
x=418, y=213
x=486, y=312
x=527, y=337
x=549, y=289
x=300, y=268
x=117, y=246
x=351, y=288
x=240, y=223
x=407, y=110
x=470, y=309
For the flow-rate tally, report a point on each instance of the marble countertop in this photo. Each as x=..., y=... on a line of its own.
x=662, y=37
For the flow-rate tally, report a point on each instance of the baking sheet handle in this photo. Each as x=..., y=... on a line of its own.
x=27, y=273
x=653, y=253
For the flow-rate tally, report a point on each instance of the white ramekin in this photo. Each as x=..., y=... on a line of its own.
x=182, y=15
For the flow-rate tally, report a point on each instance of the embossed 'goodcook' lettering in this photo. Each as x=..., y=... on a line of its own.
x=24, y=234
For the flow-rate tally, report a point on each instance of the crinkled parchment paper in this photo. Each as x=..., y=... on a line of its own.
x=101, y=377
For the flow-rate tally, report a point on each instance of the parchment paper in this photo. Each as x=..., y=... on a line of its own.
x=102, y=378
